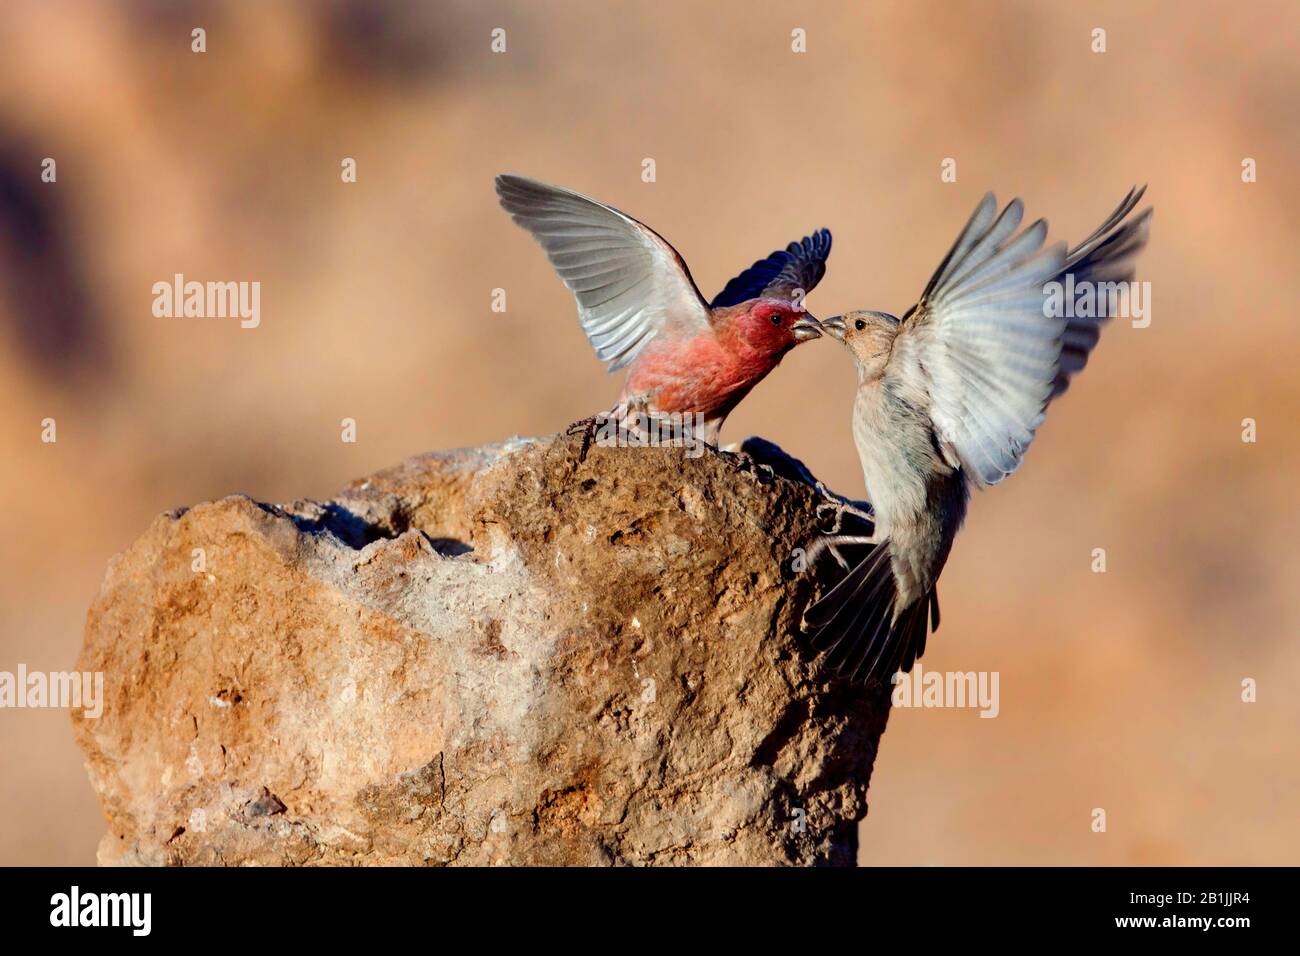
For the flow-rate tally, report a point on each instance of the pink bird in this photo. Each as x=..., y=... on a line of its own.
x=642, y=311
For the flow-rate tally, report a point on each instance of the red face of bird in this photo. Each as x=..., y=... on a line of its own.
x=775, y=325
x=868, y=335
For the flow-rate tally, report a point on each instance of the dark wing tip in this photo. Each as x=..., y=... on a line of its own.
x=511, y=187
x=510, y=181
x=817, y=245
x=514, y=190
x=816, y=248
x=800, y=265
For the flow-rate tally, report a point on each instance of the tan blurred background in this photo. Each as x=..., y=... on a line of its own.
x=1118, y=690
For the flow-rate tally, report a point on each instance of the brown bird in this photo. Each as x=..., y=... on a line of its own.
x=950, y=396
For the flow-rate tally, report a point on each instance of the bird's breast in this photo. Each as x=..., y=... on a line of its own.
x=919, y=500
x=694, y=375
x=892, y=442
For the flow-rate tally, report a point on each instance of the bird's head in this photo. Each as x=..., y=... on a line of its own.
x=773, y=326
x=868, y=335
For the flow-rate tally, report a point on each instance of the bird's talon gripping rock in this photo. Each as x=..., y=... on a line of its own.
x=760, y=471
x=839, y=508
x=586, y=427
x=834, y=508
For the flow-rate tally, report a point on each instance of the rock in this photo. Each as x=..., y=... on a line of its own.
x=505, y=655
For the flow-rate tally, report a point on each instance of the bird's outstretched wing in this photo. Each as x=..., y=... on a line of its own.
x=979, y=341
x=629, y=283
x=1105, y=256
x=799, y=266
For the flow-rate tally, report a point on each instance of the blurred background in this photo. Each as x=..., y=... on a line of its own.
x=1119, y=690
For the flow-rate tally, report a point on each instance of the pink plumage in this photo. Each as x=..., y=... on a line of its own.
x=642, y=311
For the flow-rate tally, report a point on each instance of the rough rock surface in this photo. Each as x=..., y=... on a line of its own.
x=497, y=656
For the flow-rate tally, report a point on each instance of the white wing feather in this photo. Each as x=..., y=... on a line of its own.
x=629, y=283
x=980, y=343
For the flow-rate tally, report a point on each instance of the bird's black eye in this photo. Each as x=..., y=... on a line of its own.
x=776, y=318
x=860, y=324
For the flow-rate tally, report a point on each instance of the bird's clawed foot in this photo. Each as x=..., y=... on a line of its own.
x=632, y=423
x=834, y=537
x=587, y=428
x=751, y=464
x=839, y=507
x=831, y=543
x=760, y=471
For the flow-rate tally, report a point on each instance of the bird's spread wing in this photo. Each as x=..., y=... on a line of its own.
x=979, y=341
x=1105, y=256
x=629, y=283
x=799, y=266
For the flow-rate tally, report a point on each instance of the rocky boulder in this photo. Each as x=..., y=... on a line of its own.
x=507, y=655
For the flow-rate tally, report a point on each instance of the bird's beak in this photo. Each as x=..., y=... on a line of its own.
x=834, y=327
x=806, y=328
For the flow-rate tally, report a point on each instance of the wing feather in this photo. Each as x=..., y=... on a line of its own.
x=629, y=283
x=799, y=266
x=981, y=341
x=1105, y=256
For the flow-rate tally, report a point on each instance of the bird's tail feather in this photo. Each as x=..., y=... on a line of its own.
x=855, y=625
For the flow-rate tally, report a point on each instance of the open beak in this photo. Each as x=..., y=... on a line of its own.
x=806, y=328
x=834, y=327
